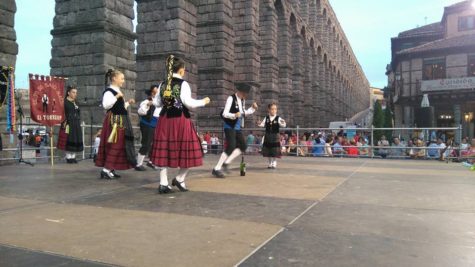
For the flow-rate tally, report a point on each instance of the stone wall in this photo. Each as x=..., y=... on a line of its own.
x=90, y=37
x=8, y=45
x=292, y=52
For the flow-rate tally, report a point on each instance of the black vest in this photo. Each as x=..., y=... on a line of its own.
x=173, y=107
x=234, y=109
x=119, y=107
x=272, y=126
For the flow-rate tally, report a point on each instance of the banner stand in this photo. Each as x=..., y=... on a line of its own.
x=51, y=145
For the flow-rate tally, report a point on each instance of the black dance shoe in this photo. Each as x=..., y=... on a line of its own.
x=140, y=168
x=115, y=174
x=225, y=168
x=150, y=165
x=164, y=189
x=75, y=161
x=106, y=175
x=178, y=185
x=218, y=174
x=69, y=161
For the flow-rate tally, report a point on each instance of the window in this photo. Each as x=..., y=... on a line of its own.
x=434, y=69
x=471, y=66
x=466, y=23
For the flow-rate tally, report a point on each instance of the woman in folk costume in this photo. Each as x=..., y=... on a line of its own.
x=70, y=133
x=271, y=148
x=116, y=149
x=176, y=143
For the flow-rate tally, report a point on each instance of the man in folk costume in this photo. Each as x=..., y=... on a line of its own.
x=176, y=143
x=148, y=122
x=116, y=149
x=233, y=115
x=70, y=133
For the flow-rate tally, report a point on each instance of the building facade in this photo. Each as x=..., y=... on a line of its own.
x=292, y=52
x=436, y=61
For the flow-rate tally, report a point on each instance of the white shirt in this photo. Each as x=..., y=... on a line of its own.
x=185, y=96
x=144, y=107
x=108, y=100
x=232, y=116
x=281, y=121
x=214, y=141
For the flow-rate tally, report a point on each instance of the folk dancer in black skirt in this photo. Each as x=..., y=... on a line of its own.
x=233, y=115
x=271, y=147
x=70, y=133
x=148, y=122
x=116, y=149
x=176, y=143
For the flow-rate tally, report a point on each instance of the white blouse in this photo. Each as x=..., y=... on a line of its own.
x=232, y=116
x=108, y=100
x=282, y=123
x=144, y=107
x=185, y=96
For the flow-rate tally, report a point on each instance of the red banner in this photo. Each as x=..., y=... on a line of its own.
x=47, y=99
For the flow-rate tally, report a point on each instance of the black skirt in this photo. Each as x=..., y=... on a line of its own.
x=271, y=146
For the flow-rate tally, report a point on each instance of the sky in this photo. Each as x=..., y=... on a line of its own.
x=368, y=25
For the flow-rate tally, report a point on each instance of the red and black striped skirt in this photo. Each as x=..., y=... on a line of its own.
x=176, y=144
x=112, y=156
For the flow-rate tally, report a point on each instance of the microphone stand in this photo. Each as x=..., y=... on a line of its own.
x=91, y=119
x=20, y=134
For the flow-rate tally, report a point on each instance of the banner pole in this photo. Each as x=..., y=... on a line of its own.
x=51, y=146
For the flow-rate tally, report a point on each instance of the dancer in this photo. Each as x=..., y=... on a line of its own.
x=271, y=148
x=148, y=121
x=233, y=116
x=116, y=149
x=176, y=143
x=70, y=133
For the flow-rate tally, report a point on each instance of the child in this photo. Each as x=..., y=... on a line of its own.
x=176, y=143
x=116, y=149
x=233, y=116
x=148, y=122
x=271, y=148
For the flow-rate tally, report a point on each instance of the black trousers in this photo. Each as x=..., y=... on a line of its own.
x=147, y=139
x=234, y=139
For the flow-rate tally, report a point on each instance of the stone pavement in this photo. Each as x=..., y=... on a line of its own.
x=308, y=212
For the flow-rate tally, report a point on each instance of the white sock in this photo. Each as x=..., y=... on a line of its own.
x=270, y=161
x=233, y=155
x=164, y=176
x=73, y=155
x=221, y=160
x=68, y=156
x=182, y=173
x=140, y=159
x=274, y=162
x=107, y=171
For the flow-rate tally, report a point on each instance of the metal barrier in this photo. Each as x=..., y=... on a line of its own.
x=304, y=147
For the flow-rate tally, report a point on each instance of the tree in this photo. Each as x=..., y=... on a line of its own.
x=388, y=123
x=378, y=121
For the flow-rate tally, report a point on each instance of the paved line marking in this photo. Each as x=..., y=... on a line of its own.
x=299, y=216
x=259, y=247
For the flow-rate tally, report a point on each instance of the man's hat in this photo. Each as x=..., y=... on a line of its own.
x=243, y=87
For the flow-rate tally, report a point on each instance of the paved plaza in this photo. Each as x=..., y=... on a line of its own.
x=308, y=212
